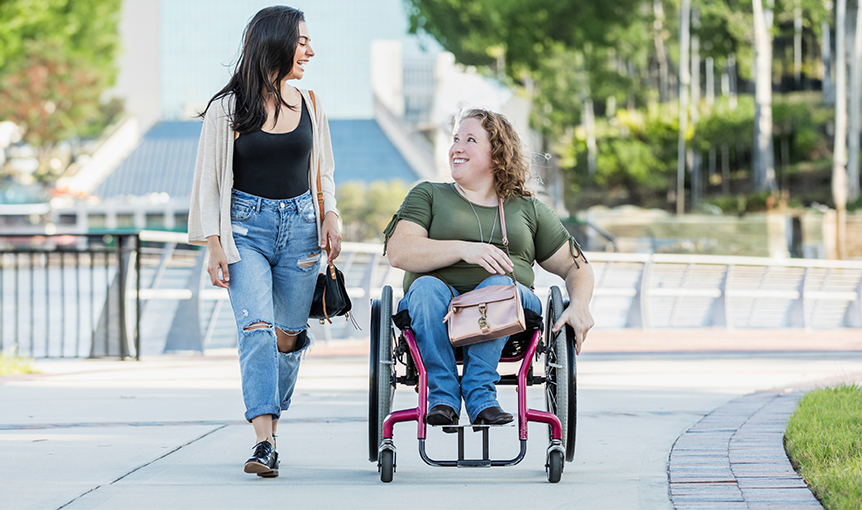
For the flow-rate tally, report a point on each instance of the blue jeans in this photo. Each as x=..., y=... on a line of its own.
x=428, y=301
x=272, y=284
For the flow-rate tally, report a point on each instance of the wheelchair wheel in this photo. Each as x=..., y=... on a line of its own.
x=387, y=465
x=560, y=372
x=555, y=466
x=380, y=384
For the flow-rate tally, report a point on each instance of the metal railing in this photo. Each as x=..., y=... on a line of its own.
x=661, y=290
x=125, y=294
x=65, y=296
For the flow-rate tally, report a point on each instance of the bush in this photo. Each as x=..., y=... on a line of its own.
x=366, y=209
x=12, y=365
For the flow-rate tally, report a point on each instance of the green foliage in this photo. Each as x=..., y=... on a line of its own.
x=13, y=365
x=56, y=59
x=478, y=31
x=631, y=163
x=824, y=442
x=568, y=52
x=366, y=210
x=725, y=125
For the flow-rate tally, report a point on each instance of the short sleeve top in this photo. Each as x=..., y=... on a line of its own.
x=535, y=232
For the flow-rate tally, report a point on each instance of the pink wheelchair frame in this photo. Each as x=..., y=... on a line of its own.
x=560, y=391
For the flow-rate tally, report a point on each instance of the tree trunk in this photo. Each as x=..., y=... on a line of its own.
x=854, y=128
x=710, y=81
x=839, y=152
x=695, y=159
x=684, y=78
x=731, y=80
x=660, y=53
x=826, y=56
x=797, y=46
x=764, y=159
x=590, y=128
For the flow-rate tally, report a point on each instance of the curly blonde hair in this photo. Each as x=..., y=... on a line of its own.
x=509, y=163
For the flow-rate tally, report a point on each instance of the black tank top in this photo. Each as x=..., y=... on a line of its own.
x=274, y=165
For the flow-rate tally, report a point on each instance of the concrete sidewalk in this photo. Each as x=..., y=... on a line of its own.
x=168, y=431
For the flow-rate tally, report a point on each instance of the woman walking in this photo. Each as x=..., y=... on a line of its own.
x=264, y=154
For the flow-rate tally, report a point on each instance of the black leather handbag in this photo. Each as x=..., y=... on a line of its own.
x=330, y=295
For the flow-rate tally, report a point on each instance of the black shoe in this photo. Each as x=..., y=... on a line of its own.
x=494, y=415
x=441, y=414
x=264, y=461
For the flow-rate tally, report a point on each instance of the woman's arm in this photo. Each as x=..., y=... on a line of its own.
x=329, y=229
x=217, y=260
x=412, y=250
x=579, y=283
x=204, y=207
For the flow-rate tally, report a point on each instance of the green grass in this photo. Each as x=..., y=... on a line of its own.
x=824, y=443
x=11, y=365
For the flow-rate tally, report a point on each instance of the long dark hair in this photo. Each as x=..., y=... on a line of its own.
x=269, y=47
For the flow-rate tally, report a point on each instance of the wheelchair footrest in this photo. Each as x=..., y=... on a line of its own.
x=461, y=462
x=477, y=428
x=474, y=463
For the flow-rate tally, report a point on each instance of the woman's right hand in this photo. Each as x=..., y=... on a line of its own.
x=218, y=260
x=493, y=259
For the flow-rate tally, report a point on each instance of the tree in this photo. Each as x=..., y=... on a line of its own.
x=569, y=52
x=764, y=166
x=476, y=31
x=56, y=59
x=839, y=153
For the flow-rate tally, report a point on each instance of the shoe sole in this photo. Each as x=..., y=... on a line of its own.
x=260, y=470
x=483, y=425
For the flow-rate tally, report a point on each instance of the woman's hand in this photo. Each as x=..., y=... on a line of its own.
x=217, y=261
x=329, y=234
x=577, y=316
x=493, y=259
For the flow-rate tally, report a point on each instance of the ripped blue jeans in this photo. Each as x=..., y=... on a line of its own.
x=273, y=283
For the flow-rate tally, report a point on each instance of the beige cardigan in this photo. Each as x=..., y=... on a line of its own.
x=209, y=213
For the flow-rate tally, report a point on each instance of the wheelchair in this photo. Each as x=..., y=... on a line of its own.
x=395, y=360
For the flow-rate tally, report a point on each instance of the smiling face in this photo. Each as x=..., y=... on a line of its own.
x=303, y=53
x=470, y=153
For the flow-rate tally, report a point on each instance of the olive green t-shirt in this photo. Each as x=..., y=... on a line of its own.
x=535, y=232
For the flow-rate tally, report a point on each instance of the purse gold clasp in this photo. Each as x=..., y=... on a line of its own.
x=483, y=318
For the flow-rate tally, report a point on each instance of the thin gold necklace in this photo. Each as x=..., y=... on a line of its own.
x=493, y=226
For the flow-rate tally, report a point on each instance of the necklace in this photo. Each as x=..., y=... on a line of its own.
x=493, y=226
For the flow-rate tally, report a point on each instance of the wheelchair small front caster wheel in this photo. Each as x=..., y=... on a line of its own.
x=386, y=465
x=554, y=467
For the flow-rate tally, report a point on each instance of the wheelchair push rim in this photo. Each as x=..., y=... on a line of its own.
x=380, y=384
x=560, y=372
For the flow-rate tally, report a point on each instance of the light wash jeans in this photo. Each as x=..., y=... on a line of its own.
x=428, y=301
x=273, y=283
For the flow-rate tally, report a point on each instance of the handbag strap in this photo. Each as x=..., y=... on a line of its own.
x=510, y=274
x=320, y=192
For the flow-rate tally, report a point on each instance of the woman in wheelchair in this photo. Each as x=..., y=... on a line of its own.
x=451, y=242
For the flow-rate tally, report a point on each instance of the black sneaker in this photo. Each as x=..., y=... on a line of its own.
x=264, y=461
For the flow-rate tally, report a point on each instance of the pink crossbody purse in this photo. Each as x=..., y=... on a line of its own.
x=487, y=313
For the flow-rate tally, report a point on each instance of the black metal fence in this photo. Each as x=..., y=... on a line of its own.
x=70, y=295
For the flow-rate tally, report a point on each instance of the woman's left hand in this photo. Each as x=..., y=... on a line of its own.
x=329, y=233
x=580, y=319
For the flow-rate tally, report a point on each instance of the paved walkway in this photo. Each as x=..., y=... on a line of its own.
x=167, y=432
x=734, y=458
